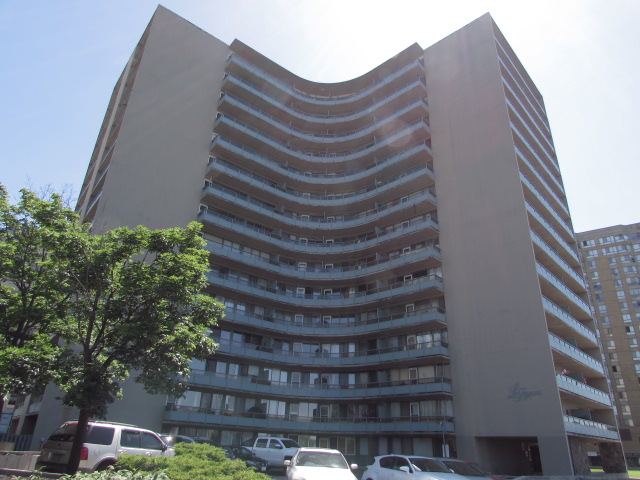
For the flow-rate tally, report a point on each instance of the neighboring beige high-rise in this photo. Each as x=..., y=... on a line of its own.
x=395, y=251
x=610, y=259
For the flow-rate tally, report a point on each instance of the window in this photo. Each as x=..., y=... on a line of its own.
x=409, y=307
x=634, y=292
x=620, y=294
x=635, y=355
x=637, y=367
x=408, y=278
x=329, y=241
x=633, y=342
x=405, y=224
x=328, y=266
x=602, y=308
x=595, y=275
x=614, y=356
x=151, y=442
x=592, y=253
x=599, y=297
x=612, y=261
x=130, y=438
x=302, y=265
x=605, y=320
x=630, y=330
x=615, y=272
x=299, y=318
x=626, y=317
x=331, y=219
x=300, y=291
x=588, y=243
x=630, y=269
x=326, y=319
x=303, y=240
x=597, y=286
x=624, y=306
x=591, y=263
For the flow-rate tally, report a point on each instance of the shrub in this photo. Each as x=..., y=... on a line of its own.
x=193, y=461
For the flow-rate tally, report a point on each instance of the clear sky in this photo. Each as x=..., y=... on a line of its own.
x=59, y=61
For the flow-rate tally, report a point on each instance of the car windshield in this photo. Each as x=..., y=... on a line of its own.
x=321, y=459
x=464, y=468
x=428, y=465
x=289, y=443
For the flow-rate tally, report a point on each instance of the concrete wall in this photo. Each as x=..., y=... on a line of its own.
x=159, y=159
x=497, y=330
x=157, y=169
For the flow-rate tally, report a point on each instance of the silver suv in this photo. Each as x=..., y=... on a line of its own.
x=105, y=441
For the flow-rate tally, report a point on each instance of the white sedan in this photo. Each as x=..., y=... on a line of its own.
x=319, y=464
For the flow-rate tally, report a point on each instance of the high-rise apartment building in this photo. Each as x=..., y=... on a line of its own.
x=610, y=258
x=394, y=251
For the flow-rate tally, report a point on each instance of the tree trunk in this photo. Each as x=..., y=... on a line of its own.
x=78, y=441
x=1, y=404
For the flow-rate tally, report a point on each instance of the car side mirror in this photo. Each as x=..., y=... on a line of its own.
x=287, y=463
x=405, y=469
x=164, y=447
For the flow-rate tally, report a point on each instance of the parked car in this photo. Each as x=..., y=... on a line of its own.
x=105, y=441
x=275, y=450
x=469, y=470
x=171, y=440
x=392, y=467
x=244, y=454
x=319, y=464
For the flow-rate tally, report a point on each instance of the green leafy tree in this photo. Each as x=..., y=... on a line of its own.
x=136, y=307
x=124, y=303
x=32, y=297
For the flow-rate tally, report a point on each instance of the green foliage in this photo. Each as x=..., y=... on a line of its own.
x=193, y=461
x=33, y=296
x=112, y=475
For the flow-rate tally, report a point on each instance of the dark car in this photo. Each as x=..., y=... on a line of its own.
x=244, y=454
x=171, y=440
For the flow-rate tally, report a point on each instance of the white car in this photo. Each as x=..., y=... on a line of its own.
x=319, y=464
x=392, y=467
x=105, y=441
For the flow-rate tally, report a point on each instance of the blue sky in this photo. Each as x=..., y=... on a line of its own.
x=61, y=59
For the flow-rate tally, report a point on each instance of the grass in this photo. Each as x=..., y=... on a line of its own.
x=632, y=473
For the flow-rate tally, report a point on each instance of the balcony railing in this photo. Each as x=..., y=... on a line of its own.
x=289, y=129
x=309, y=273
x=575, y=353
x=571, y=385
x=327, y=118
x=325, y=221
x=306, y=198
x=341, y=156
x=537, y=239
x=419, y=284
x=353, y=244
x=568, y=320
x=255, y=383
x=339, y=325
x=580, y=426
x=561, y=286
x=320, y=177
x=325, y=99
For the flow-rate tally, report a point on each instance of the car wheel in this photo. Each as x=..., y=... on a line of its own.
x=104, y=465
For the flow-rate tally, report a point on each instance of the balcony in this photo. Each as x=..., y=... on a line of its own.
x=561, y=287
x=429, y=318
x=233, y=83
x=436, y=351
x=575, y=354
x=426, y=257
x=230, y=126
x=244, y=111
x=580, y=426
x=571, y=385
x=270, y=167
x=304, y=425
x=566, y=268
x=235, y=62
x=426, y=286
x=256, y=210
x=549, y=234
x=424, y=228
x=575, y=326
x=321, y=391
x=421, y=174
